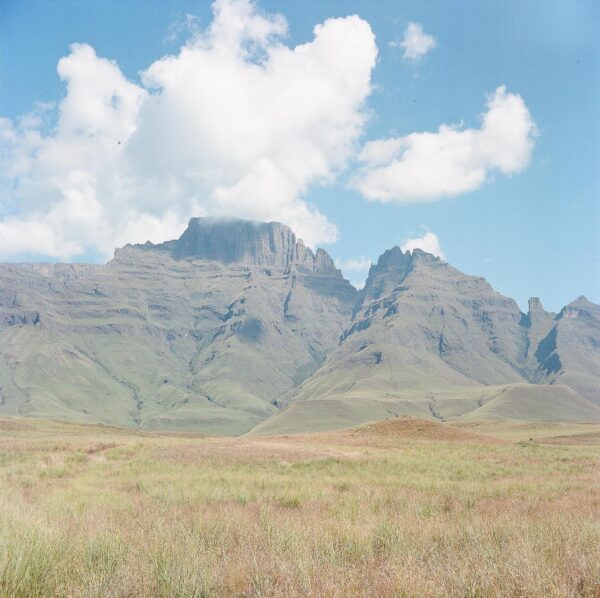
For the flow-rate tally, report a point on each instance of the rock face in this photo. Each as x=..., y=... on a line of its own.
x=237, y=326
x=569, y=353
x=420, y=303
x=430, y=341
x=245, y=242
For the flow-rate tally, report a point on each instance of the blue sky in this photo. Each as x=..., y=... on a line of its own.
x=531, y=226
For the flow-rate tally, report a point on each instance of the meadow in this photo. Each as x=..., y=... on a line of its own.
x=400, y=508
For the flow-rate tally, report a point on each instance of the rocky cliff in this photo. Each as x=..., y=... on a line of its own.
x=233, y=241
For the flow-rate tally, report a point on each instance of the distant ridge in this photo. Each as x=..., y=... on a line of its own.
x=237, y=326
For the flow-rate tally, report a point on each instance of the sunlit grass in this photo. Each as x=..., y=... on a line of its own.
x=98, y=512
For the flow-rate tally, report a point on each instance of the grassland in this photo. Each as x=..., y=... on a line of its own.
x=400, y=508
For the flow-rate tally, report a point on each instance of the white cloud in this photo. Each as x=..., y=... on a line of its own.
x=184, y=24
x=355, y=266
x=423, y=167
x=358, y=264
x=428, y=242
x=236, y=123
x=415, y=43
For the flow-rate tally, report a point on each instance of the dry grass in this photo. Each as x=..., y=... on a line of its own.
x=400, y=508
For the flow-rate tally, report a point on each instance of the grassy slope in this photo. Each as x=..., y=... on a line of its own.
x=105, y=378
x=529, y=402
x=525, y=402
x=402, y=507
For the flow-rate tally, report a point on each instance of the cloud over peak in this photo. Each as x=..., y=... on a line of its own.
x=429, y=242
x=236, y=123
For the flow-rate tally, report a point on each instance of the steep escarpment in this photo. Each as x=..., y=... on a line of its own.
x=233, y=241
x=569, y=353
x=237, y=326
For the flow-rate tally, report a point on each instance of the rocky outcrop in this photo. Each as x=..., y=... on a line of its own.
x=570, y=352
x=538, y=323
x=233, y=241
x=420, y=302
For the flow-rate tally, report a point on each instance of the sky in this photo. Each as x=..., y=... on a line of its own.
x=471, y=130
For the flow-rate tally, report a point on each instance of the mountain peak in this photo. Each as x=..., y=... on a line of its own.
x=582, y=302
x=233, y=240
x=535, y=305
x=419, y=254
x=392, y=268
x=403, y=261
x=242, y=241
x=536, y=314
x=581, y=307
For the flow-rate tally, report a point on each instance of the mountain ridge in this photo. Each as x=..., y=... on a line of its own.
x=238, y=326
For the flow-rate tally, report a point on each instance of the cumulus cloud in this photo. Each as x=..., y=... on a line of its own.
x=415, y=43
x=237, y=123
x=428, y=242
x=423, y=167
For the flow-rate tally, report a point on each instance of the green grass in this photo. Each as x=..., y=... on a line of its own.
x=404, y=508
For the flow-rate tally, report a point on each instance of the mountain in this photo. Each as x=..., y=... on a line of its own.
x=569, y=352
x=237, y=326
x=203, y=333
x=429, y=341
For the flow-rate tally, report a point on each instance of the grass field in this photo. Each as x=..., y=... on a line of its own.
x=400, y=508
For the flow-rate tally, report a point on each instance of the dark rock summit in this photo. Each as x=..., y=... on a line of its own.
x=231, y=241
x=536, y=312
